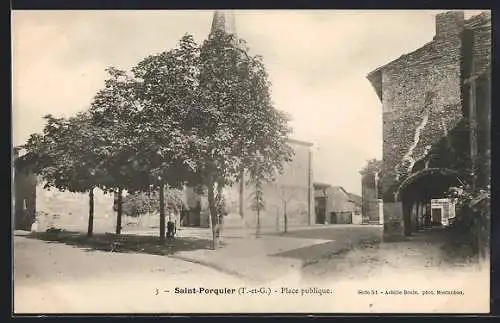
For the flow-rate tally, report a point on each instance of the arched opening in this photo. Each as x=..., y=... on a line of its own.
x=420, y=194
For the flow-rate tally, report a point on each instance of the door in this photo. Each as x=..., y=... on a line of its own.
x=320, y=215
x=436, y=216
x=333, y=218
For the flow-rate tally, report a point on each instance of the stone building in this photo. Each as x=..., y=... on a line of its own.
x=24, y=197
x=334, y=205
x=436, y=119
x=291, y=192
x=35, y=204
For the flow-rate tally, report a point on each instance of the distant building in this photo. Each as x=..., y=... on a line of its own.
x=291, y=192
x=334, y=205
x=442, y=210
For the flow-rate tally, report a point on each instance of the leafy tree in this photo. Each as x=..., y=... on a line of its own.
x=166, y=86
x=257, y=180
x=234, y=119
x=258, y=204
x=64, y=156
x=115, y=110
x=372, y=166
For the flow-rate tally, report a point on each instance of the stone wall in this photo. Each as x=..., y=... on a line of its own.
x=422, y=92
x=24, y=199
x=479, y=77
x=421, y=98
x=70, y=211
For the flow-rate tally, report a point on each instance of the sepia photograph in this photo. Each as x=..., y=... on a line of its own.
x=251, y=161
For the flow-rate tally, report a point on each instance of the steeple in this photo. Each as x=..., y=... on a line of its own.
x=224, y=20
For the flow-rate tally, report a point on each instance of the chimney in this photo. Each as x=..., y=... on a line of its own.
x=450, y=23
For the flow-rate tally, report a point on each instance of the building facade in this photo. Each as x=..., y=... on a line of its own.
x=334, y=205
x=435, y=111
x=290, y=192
x=24, y=197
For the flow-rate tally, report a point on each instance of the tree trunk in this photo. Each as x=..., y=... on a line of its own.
x=162, y=212
x=257, y=232
x=212, y=214
x=285, y=218
x=90, y=229
x=220, y=211
x=119, y=212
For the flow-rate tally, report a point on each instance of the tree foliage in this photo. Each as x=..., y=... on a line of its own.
x=139, y=203
x=235, y=120
x=66, y=156
x=372, y=166
x=196, y=115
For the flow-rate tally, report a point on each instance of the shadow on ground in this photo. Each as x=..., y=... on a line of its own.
x=317, y=252
x=456, y=247
x=333, y=232
x=452, y=248
x=123, y=243
x=436, y=248
x=342, y=240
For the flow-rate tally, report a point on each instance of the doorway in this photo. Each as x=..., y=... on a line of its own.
x=437, y=215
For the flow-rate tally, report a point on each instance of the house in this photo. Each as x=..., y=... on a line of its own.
x=436, y=116
x=334, y=205
x=24, y=189
x=291, y=192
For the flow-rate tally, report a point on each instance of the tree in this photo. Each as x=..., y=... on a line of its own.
x=115, y=112
x=258, y=204
x=234, y=119
x=66, y=158
x=372, y=166
x=257, y=179
x=286, y=194
x=166, y=87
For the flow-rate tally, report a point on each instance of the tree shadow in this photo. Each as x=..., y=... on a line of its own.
x=332, y=232
x=317, y=252
x=126, y=243
x=457, y=247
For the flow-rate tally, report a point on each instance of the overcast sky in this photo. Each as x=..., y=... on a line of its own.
x=317, y=61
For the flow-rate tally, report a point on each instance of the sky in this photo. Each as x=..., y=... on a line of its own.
x=317, y=61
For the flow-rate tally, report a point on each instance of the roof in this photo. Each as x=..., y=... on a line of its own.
x=340, y=188
x=321, y=185
x=355, y=198
x=300, y=142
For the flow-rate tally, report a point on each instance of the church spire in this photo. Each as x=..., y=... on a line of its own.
x=223, y=20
